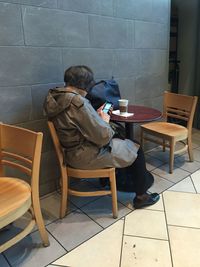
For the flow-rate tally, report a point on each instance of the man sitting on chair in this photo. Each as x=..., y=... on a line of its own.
x=87, y=137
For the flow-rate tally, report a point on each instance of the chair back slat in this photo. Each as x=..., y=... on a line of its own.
x=18, y=150
x=17, y=157
x=179, y=106
x=18, y=166
x=173, y=115
x=15, y=139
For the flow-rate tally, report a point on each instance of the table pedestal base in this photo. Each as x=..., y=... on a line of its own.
x=129, y=131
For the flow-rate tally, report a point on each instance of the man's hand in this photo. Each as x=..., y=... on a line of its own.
x=100, y=109
x=104, y=116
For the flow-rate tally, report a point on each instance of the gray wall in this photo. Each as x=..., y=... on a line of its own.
x=39, y=39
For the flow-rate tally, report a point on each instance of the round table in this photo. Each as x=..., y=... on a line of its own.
x=141, y=114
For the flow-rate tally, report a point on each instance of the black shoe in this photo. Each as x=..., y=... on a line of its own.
x=152, y=199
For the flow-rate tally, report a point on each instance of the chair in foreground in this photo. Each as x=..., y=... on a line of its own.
x=177, y=107
x=67, y=172
x=20, y=150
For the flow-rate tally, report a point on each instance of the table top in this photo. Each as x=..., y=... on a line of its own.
x=141, y=114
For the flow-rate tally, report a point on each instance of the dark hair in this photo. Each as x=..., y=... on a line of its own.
x=80, y=77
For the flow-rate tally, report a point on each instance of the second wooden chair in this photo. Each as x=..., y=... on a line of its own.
x=177, y=107
x=67, y=172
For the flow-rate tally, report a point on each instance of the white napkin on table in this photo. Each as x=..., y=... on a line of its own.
x=117, y=112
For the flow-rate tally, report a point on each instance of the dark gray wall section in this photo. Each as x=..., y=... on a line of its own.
x=59, y=28
x=103, y=7
x=39, y=39
x=10, y=22
x=29, y=65
x=111, y=32
x=150, y=35
x=40, y=3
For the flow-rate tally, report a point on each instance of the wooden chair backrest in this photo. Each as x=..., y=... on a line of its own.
x=20, y=149
x=180, y=107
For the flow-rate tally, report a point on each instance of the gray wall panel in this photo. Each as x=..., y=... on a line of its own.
x=59, y=28
x=127, y=89
x=103, y=7
x=150, y=35
x=100, y=60
x=15, y=104
x=28, y=65
x=153, y=62
x=10, y=25
x=126, y=63
x=40, y=3
x=110, y=32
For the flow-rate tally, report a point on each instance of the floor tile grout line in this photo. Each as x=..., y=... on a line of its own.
x=147, y=237
x=165, y=178
x=190, y=171
x=193, y=184
x=152, y=209
x=110, y=196
x=89, y=202
x=165, y=162
x=83, y=241
x=92, y=219
x=57, y=241
x=170, y=180
x=169, y=241
x=157, y=167
x=178, y=183
x=6, y=259
x=115, y=220
x=122, y=240
x=56, y=265
x=190, y=193
x=184, y=226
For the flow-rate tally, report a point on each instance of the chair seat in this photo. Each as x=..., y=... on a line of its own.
x=167, y=129
x=15, y=198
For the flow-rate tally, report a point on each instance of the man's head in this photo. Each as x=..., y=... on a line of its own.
x=80, y=77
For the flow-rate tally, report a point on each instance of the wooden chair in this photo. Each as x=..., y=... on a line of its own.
x=67, y=172
x=176, y=106
x=20, y=150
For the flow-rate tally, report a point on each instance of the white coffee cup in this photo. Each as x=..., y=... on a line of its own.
x=123, y=106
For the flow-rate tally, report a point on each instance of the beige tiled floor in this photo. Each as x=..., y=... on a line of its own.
x=166, y=234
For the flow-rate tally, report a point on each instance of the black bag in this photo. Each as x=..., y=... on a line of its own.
x=118, y=129
x=105, y=90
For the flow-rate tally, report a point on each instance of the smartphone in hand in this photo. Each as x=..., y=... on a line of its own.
x=107, y=107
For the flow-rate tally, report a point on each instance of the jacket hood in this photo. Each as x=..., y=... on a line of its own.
x=57, y=101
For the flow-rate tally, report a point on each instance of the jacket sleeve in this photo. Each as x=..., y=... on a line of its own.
x=90, y=124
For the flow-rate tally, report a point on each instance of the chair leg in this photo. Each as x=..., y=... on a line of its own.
x=64, y=196
x=171, y=156
x=39, y=220
x=164, y=145
x=114, y=194
x=190, y=151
